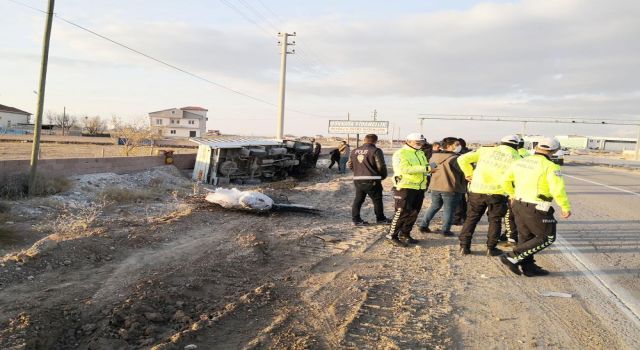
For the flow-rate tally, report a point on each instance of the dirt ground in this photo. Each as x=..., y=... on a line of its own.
x=159, y=268
x=22, y=150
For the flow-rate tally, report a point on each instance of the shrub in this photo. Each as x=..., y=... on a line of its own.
x=4, y=207
x=125, y=195
x=17, y=186
x=75, y=219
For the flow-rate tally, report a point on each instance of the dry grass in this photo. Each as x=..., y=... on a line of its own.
x=22, y=150
x=74, y=220
x=120, y=195
x=17, y=186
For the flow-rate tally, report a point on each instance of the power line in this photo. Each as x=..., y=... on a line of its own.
x=251, y=20
x=265, y=19
x=519, y=119
x=172, y=66
x=523, y=117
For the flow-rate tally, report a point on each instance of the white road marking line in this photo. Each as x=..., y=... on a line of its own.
x=619, y=296
x=607, y=186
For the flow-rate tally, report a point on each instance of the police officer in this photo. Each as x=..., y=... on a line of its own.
x=523, y=152
x=410, y=169
x=510, y=234
x=532, y=183
x=369, y=169
x=485, y=191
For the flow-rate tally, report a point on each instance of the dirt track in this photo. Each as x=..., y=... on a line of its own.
x=196, y=274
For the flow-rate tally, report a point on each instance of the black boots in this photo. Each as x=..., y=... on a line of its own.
x=532, y=270
x=510, y=263
x=493, y=251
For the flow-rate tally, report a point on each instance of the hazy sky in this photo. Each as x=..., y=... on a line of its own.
x=566, y=58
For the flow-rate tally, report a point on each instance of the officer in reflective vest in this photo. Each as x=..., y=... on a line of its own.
x=410, y=169
x=510, y=234
x=486, y=192
x=523, y=152
x=532, y=183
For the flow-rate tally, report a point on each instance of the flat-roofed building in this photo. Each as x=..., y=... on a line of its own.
x=182, y=122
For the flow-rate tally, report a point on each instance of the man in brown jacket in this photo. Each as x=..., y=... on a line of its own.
x=447, y=186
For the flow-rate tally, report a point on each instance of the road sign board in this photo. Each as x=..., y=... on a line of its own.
x=358, y=127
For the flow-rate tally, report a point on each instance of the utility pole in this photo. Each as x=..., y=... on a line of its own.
x=38, y=122
x=375, y=115
x=638, y=144
x=284, y=45
x=348, y=135
x=64, y=119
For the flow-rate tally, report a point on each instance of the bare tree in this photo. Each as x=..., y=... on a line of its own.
x=94, y=125
x=132, y=134
x=62, y=121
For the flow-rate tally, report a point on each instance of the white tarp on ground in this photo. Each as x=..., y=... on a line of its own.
x=236, y=199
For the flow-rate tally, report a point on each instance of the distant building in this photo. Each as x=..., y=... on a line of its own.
x=182, y=122
x=10, y=117
x=614, y=144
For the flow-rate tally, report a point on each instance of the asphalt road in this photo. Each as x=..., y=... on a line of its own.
x=601, y=240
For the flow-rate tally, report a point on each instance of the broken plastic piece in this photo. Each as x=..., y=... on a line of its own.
x=546, y=293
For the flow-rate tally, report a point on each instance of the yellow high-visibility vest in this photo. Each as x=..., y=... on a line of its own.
x=536, y=179
x=410, y=168
x=491, y=164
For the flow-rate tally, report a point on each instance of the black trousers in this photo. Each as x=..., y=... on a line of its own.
x=333, y=161
x=408, y=203
x=460, y=214
x=496, y=207
x=364, y=188
x=511, y=229
x=536, y=230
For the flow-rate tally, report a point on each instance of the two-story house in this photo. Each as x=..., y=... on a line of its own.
x=11, y=117
x=182, y=122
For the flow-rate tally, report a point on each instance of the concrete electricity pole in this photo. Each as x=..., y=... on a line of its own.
x=375, y=115
x=638, y=145
x=284, y=45
x=38, y=122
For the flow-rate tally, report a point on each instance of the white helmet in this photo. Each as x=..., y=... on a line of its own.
x=511, y=139
x=549, y=144
x=416, y=136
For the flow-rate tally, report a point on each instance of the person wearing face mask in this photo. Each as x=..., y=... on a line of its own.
x=460, y=214
x=410, y=169
x=447, y=187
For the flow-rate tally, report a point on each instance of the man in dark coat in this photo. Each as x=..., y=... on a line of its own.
x=369, y=169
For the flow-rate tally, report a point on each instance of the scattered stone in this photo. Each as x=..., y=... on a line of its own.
x=66, y=262
x=89, y=328
x=154, y=316
x=30, y=278
x=190, y=347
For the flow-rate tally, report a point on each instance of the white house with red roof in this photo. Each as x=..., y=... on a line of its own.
x=182, y=122
x=11, y=117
